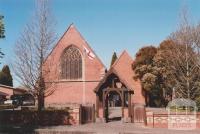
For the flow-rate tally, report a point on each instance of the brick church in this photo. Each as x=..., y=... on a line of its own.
x=78, y=76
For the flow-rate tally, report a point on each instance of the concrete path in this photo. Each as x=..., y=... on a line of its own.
x=111, y=128
x=115, y=112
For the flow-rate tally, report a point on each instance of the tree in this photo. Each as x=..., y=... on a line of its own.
x=185, y=64
x=175, y=64
x=5, y=76
x=2, y=35
x=186, y=57
x=2, y=28
x=143, y=67
x=163, y=72
x=114, y=58
x=178, y=57
x=145, y=56
x=150, y=68
x=32, y=49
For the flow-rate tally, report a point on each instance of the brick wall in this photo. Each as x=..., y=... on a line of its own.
x=161, y=120
x=67, y=91
x=7, y=90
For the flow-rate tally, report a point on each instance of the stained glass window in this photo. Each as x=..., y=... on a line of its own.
x=71, y=64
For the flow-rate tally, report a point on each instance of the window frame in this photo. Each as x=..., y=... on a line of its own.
x=68, y=74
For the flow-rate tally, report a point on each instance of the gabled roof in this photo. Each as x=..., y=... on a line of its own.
x=22, y=89
x=123, y=69
x=3, y=94
x=75, y=31
x=5, y=86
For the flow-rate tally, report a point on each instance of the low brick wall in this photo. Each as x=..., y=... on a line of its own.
x=73, y=109
x=161, y=120
x=48, y=117
x=74, y=113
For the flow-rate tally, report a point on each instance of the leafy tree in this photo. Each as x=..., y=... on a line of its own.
x=173, y=65
x=198, y=102
x=5, y=76
x=2, y=35
x=185, y=66
x=164, y=73
x=150, y=67
x=114, y=58
x=179, y=67
x=178, y=61
x=166, y=67
x=148, y=84
x=1, y=54
x=2, y=28
x=143, y=67
x=145, y=56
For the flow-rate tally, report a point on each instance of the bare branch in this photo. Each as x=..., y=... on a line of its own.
x=32, y=48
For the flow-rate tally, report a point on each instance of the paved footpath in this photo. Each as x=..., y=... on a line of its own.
x=111, y=128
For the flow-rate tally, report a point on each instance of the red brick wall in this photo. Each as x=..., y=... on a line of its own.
x=137, y=97
x=161, y=120
x=6, y=90
x=70, y=91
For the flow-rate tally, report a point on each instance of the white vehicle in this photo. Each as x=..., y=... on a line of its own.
x=10, y=102
x=28, y=103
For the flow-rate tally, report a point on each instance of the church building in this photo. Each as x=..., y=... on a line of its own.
x=74, y=74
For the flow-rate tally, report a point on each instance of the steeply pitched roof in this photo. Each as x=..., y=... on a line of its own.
x=5, y=86
x=75, y=31
x=3, y=94
x=123, y=69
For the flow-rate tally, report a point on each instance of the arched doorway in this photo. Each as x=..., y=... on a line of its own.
x=113, y=103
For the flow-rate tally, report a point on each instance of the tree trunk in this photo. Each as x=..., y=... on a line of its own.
x=41, y=88
x=147, y=98
x=40, y=103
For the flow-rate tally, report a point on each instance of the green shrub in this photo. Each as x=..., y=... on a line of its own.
x=198, y=103
x=35, y=118
x=7, y=106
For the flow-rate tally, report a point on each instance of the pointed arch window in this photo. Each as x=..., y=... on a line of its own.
x=71, y=64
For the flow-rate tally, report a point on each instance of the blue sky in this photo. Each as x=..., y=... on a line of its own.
x=107, y=25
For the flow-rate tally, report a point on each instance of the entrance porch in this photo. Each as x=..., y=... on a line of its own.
x=113, y=101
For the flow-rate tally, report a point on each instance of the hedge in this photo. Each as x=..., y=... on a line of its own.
x=34, y=118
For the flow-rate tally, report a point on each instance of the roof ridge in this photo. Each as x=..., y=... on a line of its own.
x=2, y=85
x=73, y=26
x=88, y=45
x=56, y=43
x=114, y=69
x=118, y=59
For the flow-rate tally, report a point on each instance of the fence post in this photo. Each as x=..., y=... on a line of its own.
x=80, y=114
x=153, y=120
x=132, y=113
x=93, y=112
x=145, y=116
